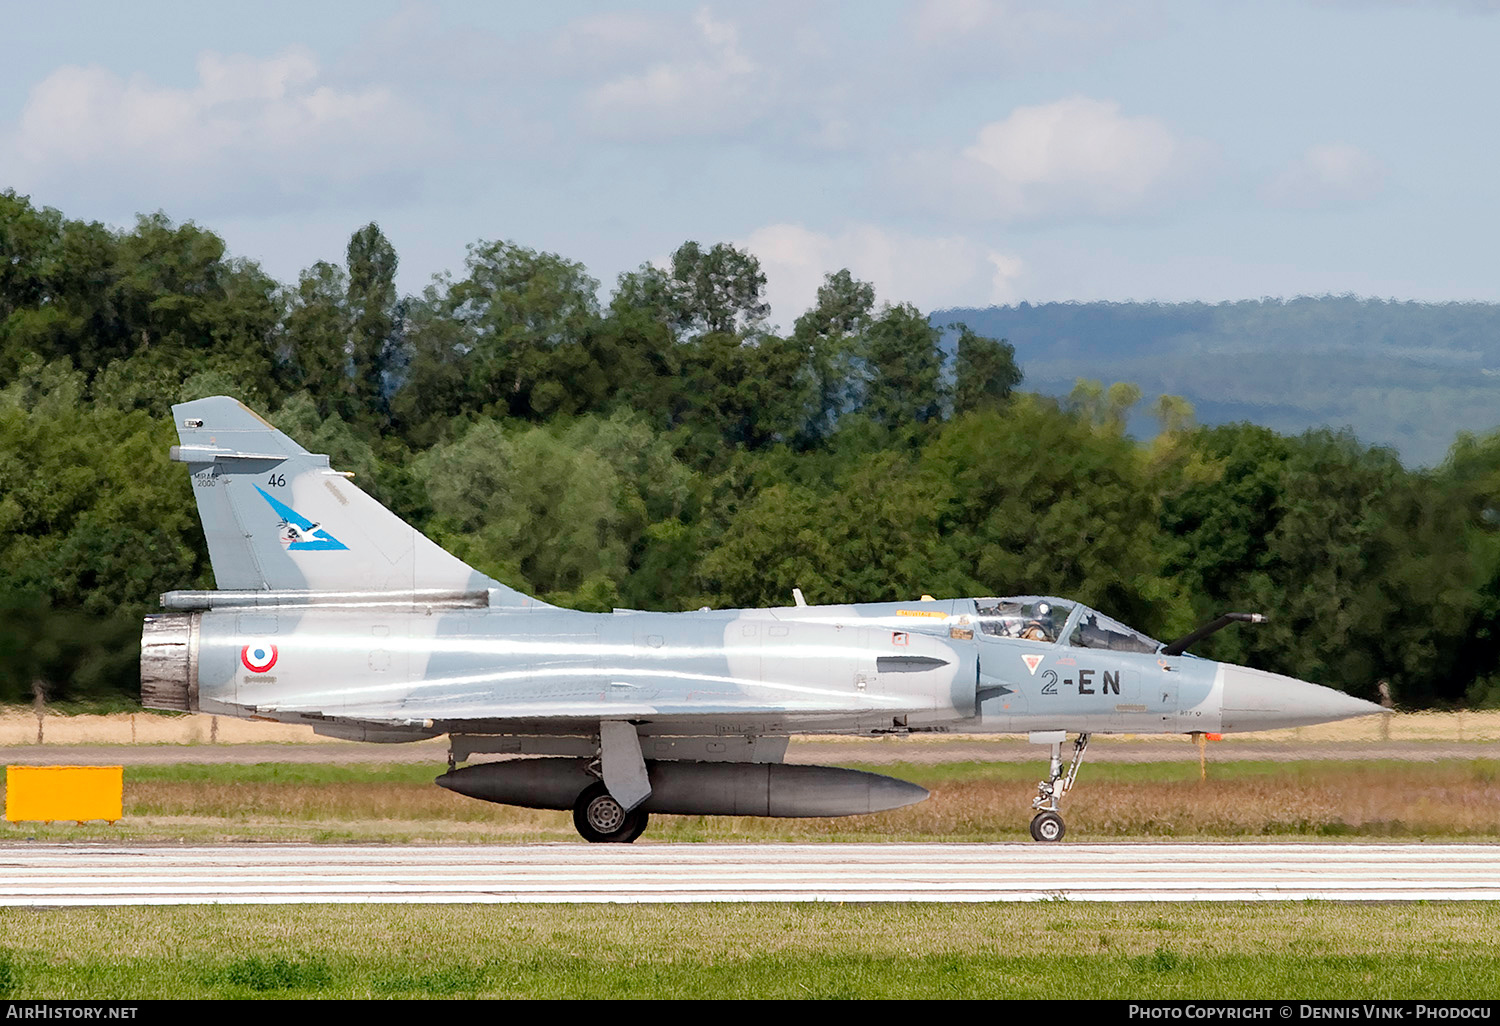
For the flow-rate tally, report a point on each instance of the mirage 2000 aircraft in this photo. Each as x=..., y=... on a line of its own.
x=331, y=611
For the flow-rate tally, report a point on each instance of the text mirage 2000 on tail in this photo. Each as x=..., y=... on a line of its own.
x=331, y=611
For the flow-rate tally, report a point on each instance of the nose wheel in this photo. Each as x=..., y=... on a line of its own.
x=1048, y=824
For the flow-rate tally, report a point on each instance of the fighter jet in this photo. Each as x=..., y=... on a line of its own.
x=331, y=611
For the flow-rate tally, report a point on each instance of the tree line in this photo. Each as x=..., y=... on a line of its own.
x=667, y=449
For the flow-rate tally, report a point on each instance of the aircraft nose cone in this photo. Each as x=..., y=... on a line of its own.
x=1256, y=700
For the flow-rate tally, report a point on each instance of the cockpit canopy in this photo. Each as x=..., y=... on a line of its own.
x=1095, y=630
x=1046, y=619
x=1029, y=617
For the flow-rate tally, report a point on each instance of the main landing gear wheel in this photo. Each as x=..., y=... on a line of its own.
x=601, y=819
x=1047, y=826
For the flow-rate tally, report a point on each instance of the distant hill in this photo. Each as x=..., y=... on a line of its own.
x=1407, y=375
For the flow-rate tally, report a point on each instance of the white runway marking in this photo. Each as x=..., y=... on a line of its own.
x=50, y=875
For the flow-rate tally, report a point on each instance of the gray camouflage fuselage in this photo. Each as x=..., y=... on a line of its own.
x=419, y=671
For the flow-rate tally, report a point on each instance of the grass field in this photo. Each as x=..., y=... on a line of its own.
x=1455, y=799
x=1049, y=950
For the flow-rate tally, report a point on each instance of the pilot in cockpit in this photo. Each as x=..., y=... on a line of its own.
x=1009, y=618
x=1039, y=626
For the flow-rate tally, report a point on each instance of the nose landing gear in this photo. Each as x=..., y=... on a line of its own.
x=1048, y=824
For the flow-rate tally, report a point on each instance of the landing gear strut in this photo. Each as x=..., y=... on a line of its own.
x=1048, y=824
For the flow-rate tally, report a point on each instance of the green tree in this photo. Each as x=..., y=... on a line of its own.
x=1470, y=484
x=94, y=524
x=319, y=326
x=1037, y=500
x=638, y=351
x=719, y=291
x=985, y=374
x=1359, y=563
x=1108, y=409
x=517, y=308
x=56, y=283
x=372, y=315
x=829, y=333
x=902, y=364
x=541, y=510
x=778, y=543
x=741, y=393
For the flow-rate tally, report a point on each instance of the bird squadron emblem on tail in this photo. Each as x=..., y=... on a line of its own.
x=298, y=533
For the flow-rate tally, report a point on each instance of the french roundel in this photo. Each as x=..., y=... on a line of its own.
x=258, y=658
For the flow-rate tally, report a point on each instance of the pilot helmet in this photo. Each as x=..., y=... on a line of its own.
x=1042, y=611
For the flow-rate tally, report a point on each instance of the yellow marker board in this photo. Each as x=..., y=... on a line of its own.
x=50, y=793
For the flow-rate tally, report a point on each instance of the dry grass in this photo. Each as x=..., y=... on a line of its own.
x=1452, y=799
x=970, y=802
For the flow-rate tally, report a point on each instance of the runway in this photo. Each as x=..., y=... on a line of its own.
x=59, y=875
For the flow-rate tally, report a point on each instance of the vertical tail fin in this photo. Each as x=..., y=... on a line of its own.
x=278, y=518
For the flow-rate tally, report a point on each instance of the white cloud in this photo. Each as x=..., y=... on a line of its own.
x=1027, y=32
x=610, y=42
x=927, y=272
x=938, y=21
x=1071, y=159
x=1009, y=23
x=251, y=133
x=789, y=75
x=713, y=86
x=1326, y=175
x=1480, y=7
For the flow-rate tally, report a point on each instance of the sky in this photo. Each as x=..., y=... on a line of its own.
x=952, y=152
